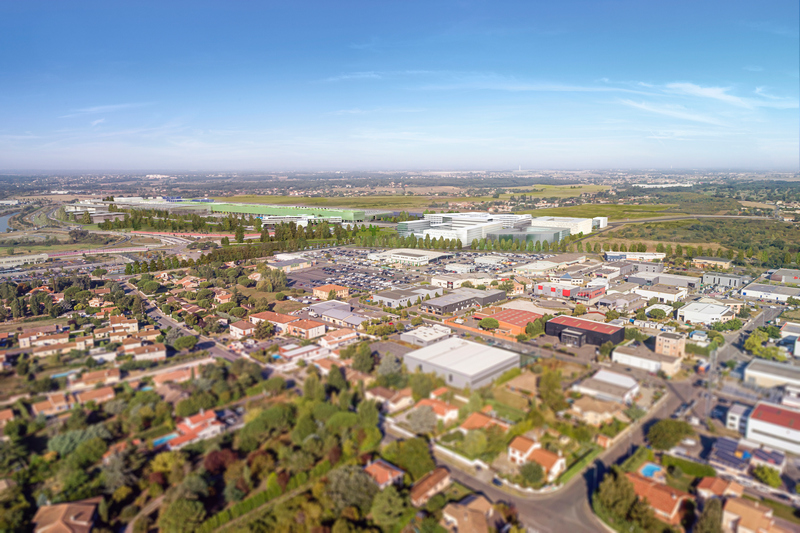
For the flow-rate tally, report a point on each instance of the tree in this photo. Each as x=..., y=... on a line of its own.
x=389, y=365
x=388, y=507
x=331, y=295
x=616, y=493
x=364, y=361
x=350, y=486
x=658, y=314
x=239, y=234
x=412, y=455
x=422, y=420
x=264, y=330
x=666, y=434
x=711, y=519
x=532, y=473
x=185, y=343
x=336, y=379
x=605, y=348
x=580, y=309
x=489, y=323
x=474, y=443
x=550, y=391
x=182, y=516
x=768, y=476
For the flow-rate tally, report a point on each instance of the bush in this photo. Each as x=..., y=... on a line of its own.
x=637, y=459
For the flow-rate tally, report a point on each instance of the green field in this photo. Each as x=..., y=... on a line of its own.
x=612, y=211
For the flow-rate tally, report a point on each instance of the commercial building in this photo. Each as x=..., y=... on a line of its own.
x=662, y=293
x=775, y=293
x=13, y=261
x=706, y=314
x=461, y=299
x=555, y=290
x=490, y=260
x=403, y=297
x=731, y=281
x=459, y=268
x=576, y=226
x=642, y=357
x=673, y=280
x=426, y=335
x=579, y=331
x=600, y=222
x=776, y=426
x=768, y=374
x=454, y=281
x=311, y=213
x=671, y=344
x=786, y=275
x=645, y=266
x=462, y=363
x=407, y=256
x=624, y=303
x=712, y=262
x=737, y=416
x=609, y=386
x=634, y=256
x=464, y=227
x=537, y=268
x=322, y=292
x=530, y=234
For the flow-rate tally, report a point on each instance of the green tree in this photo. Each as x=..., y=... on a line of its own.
x=606, y=348
x=350, y=486
x=550, y=390
x=264, y=330
x=422, y=420
x=363, y=360
x=768, y=476
x=580, y=309
x=388, y=507
x=182, y=516
x=711, y=519
x=331, y=295
x=185, y=343
x=532, y=473
x=474, y=443
x=489, y=323
x=667, y=433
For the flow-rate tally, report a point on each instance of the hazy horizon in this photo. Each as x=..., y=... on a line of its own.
x=420, y=87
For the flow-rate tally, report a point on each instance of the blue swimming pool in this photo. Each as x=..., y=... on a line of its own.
x=650, y=470
x=146, y=388
x=64, y=374
x=162, y=440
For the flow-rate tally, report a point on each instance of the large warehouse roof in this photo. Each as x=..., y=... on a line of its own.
x=582, y=323
x=463, y=356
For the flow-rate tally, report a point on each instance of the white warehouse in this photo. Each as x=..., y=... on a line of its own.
x=575, y=225
x=776, y=426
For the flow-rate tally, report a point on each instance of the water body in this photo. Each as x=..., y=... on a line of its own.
x=4, y=222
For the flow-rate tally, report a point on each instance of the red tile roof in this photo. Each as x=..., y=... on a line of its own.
x=779, y=416
x=439, y=407
x=590, y=325
x=383, y=472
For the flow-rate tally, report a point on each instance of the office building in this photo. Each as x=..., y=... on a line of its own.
x=529, y=234
x=462, y=363
x=671, y=344
x=576, y=226
x=768, y=374
x=712, y=262
x=731, y=281
x=14, y=261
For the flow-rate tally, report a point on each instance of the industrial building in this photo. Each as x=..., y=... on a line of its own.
x=403, y=297
x=461, y=299
x=462, y=363
x=624, y=303
x=579, y=331
x=464, y=227
x=673, y=280
x=537, y=268
x=344, y=215
x=454, y=281
x=460, y=268
x=639, y=356
x=609, y=386
x=706, y=314
x=426, y=335
x=511, y=321
x=776, y=426
x=555, y=290
x=786, y=275
x=645, y=266
x=723, y=280
x=712, y=262
x=768, y=374
x=576, y=226
x=775, y=293
x=662, y=293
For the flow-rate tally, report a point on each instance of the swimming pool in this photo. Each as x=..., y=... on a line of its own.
x=64, y=374
x=162, y=440
x=650, y=470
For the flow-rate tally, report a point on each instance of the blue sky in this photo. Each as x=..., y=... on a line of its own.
x=399, y=85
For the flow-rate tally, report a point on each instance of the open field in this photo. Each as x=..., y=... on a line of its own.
x=758, y=205
x=7, y=327
x=612, y=211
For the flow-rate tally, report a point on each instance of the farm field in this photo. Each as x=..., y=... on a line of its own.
x=612, y=211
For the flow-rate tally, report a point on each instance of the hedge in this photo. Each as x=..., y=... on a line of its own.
x=257, y=500
x=637, y=459
x=689, y=468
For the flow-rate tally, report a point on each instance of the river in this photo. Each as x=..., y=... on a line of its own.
x=4, y=222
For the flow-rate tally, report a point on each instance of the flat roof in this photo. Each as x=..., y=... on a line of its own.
x=774, y=289
x=778, y=415
x=463, y=356
x=665, y=289
x=706, y=309
x=645, y=353
x=774, y=369
x=516, y=317
x=582, y=323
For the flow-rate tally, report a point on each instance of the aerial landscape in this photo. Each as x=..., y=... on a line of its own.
x=400, y=267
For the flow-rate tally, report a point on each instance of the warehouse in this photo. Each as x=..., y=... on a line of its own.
x=460, y=268
x=555, y=290
x=644, y=266
x=537, y=268
x=644, y=278
x=454, y=281
x=672, y=280
x=403, y=297
x=579, y=331
x=786, y=275
x=461, y=299
x=723, y=280
x=575, y=225
x=642, y=357
x=407, y=256
x=609, y=386
x=345, y=215
x=13, y=261
x=768, y=374
x=704, y=313
x=776, y=426
x=770, y=292
x=712, y=262
x=634, y=256
x=462, y=363
x=512, y=321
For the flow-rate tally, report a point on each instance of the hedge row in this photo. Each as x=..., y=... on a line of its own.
x=257, y=500
x=690, y=468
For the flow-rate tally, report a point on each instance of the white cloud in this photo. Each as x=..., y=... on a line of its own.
x=672, y=111
x=101, y=109
x=98, y=121
x=722, y=94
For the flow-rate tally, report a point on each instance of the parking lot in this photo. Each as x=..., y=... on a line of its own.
x=356, y=278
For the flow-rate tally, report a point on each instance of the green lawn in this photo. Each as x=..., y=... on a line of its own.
x=507, y=412
x=612, y=211
x=502, y=394
x=579, y=465
x=680, y=481
x=456, y=492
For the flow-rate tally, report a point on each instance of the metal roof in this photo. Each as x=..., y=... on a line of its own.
x=462, y=356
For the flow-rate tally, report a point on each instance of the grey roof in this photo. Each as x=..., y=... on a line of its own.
x=782, y=370
x=774, y=289
x=323, y=307
x=465, y=357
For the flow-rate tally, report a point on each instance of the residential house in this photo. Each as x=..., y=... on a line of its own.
x=745, y=516
x=473, y=514
x=338, y=338
x=444, y=411
x=715, y=487
x=391, y=401
x=6, y=416
x=665, y=501
x=429, y=485
x=594, y=411
x=150, y=352
x=278, y=320
x=384, y=473
x=55, y=403
x=523, y=450
x=306, y=329
x=131, y=325
x=98, y=377
x=311, y=352
x=242, y=329
x=98, y=396
x=175, y=376
x=481, y=420
x=201, y=426
x=72, y=517
x=130, y=344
